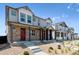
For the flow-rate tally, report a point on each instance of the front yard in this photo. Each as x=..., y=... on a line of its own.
x=14, y=51
x=64, y=48
x=56, y=48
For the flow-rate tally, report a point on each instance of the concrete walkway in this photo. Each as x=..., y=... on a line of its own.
x=35, y=49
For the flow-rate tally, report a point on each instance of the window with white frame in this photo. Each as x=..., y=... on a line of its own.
x=13, y=12
x=34, y=19
x=22, y=17
x=29, y=18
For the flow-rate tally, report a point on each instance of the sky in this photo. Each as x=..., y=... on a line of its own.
x=58, y=12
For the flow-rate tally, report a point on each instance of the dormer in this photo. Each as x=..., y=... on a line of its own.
x=49, y=22
x=25, y=15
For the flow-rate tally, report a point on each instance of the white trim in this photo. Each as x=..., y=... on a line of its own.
x=20, y=19
x=31, y=21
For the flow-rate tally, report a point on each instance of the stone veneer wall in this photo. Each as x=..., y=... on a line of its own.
x=17, y=33
x=27, y=33
x=9, y=37
x=36, y=36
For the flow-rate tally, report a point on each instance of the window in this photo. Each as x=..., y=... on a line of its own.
x=28, y=18
x=57, y=34
x=33, y=32
x=13, y=13
x=22, y=17
x=34, y=19
x=62, y=34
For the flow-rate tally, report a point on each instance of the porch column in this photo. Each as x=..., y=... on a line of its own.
x=10, y=34
x=55, y=35
x=11, y=29
x=63, y=36
x=46, y=34
x=42, y=34
x=60, y=35
x=29, y=33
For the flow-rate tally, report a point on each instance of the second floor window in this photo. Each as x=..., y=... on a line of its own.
x=22, y=17
x=34, y=20
x=13, y=13
x=29, y=18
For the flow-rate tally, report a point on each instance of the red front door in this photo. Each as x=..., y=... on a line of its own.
x=23, y=34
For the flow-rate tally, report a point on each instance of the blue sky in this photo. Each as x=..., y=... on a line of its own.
x=58, y=12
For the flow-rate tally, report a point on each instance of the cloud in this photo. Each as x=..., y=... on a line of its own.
x=69, y=6
x=55, y=18
x=62, y=16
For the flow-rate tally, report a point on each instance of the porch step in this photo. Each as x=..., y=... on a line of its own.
x=36, y=50
x=28, y=44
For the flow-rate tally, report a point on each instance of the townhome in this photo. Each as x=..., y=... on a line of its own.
x=75, y=35
x=22, y=25
x=61, y=31
x=70, y=33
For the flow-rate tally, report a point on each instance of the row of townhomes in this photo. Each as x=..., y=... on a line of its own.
x=23, y=25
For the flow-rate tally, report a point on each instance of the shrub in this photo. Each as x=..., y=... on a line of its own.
x=26, y=53
x=51, y=48
x=59, y=47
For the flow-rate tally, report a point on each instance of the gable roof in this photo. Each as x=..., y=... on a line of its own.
x=71, y=29
x=10, y=7
x=39, y=17
x=62, y=24
x=27, y=8
x=49, y=19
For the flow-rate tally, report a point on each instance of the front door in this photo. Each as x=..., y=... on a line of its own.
x=23, y=34
x=50, y=34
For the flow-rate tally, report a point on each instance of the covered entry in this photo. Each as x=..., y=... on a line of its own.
x=23, y=34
